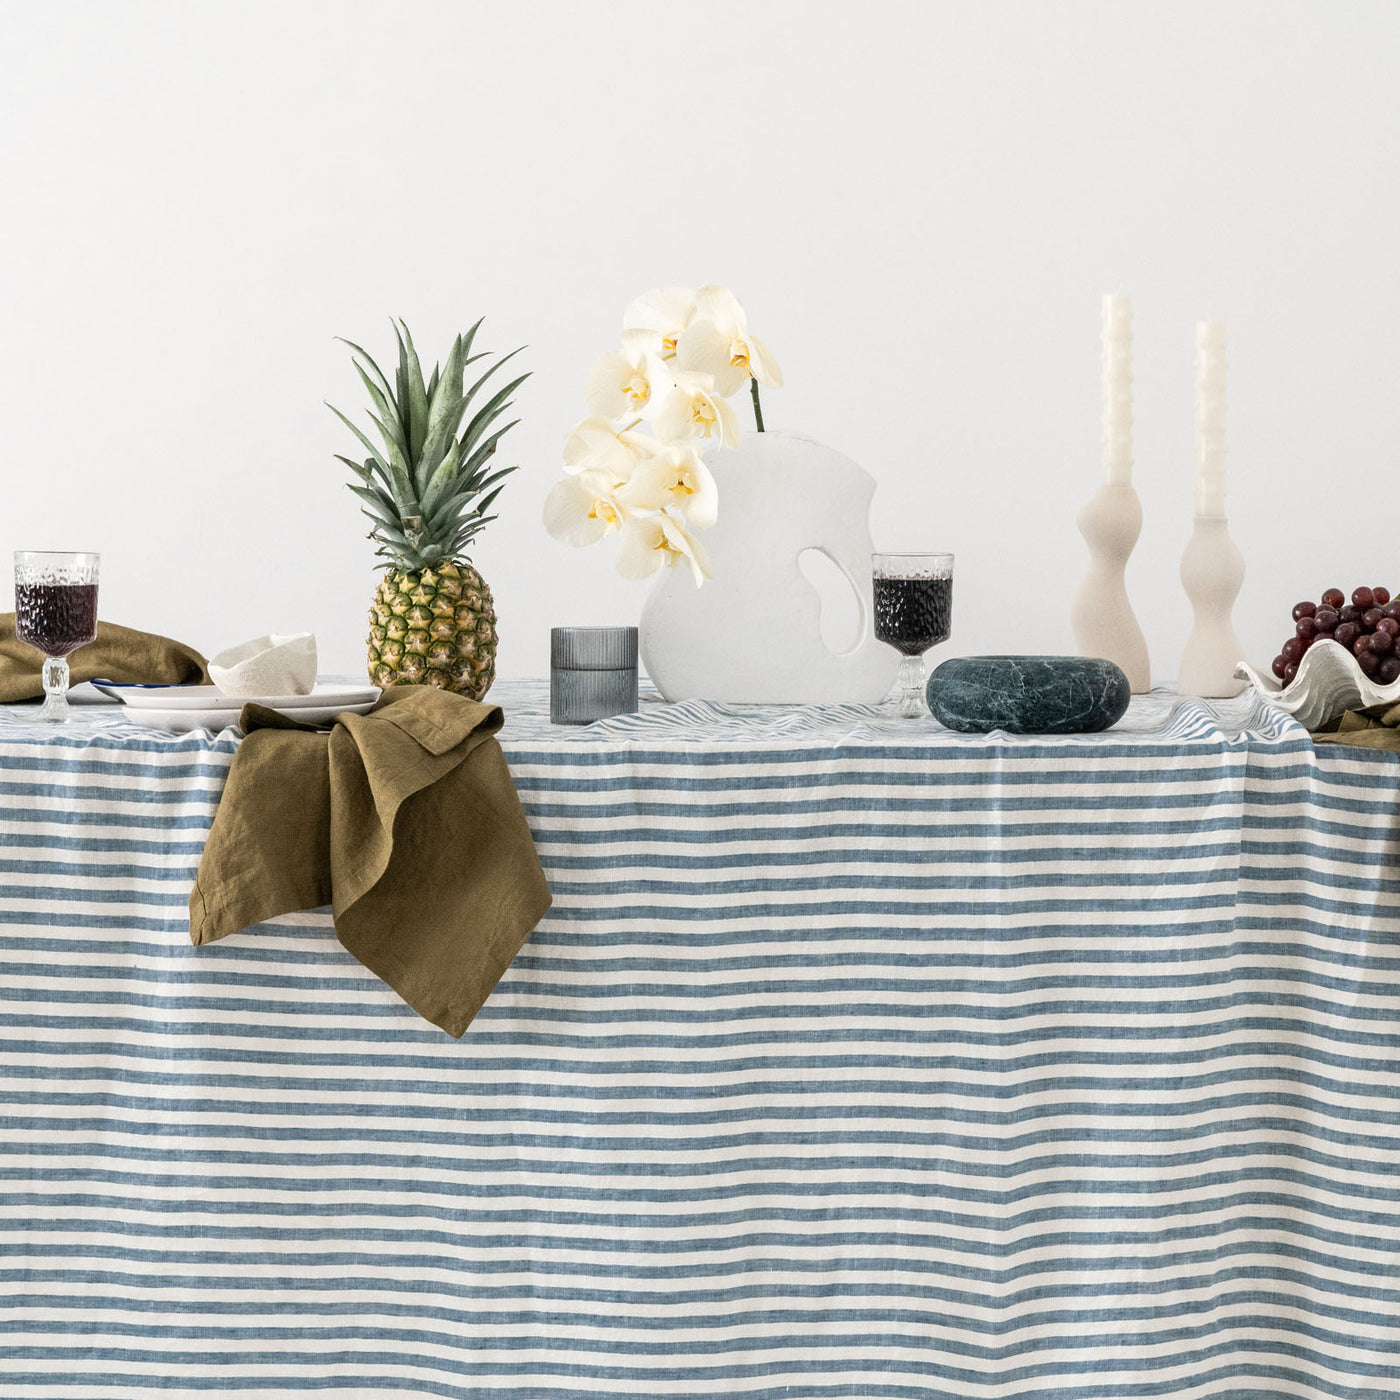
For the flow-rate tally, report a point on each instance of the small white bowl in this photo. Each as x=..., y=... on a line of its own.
x=270, y=665
x=1329, y=680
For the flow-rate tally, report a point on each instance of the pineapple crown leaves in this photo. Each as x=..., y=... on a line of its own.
x=426, y=485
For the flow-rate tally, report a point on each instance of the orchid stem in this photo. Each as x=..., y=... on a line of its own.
x=757, y=407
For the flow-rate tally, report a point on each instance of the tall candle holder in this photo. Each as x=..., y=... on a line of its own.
x=1212, y=572
x=1212, y=567
x=1102, y=617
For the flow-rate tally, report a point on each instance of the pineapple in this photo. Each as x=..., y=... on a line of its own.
x=426, y=490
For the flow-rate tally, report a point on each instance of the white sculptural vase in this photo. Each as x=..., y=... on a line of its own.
x=1101, y=615
x=1212, y=571
x=753, y=633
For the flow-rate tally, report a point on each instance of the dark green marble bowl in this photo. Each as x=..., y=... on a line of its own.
x=1028, y=694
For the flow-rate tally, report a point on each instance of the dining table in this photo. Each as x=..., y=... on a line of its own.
x=855, y=1058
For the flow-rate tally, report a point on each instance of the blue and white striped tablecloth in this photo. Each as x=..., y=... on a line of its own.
x=854, y=1059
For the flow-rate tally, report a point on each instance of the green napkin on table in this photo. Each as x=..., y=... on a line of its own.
x=1375, y=727
x=117, y=654
x=405, y=821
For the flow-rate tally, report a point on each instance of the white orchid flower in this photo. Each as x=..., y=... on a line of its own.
x=597, y=443
x=717, y=342
x=675, y=478
x=627, y=384
x=654, y=322
x=584, y=507
x=648, y=541
x=692, y=412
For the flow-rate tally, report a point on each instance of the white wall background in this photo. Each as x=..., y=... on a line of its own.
x=919, y=202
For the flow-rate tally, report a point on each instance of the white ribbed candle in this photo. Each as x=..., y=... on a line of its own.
x=1117, y=390
x=1211, y=407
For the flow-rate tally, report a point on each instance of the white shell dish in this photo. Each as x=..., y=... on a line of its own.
x=1328, y=682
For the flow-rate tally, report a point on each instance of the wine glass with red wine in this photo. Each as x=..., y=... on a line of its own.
x=913, y=611
x=56, y=613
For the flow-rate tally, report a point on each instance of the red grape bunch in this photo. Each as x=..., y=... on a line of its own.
x=1368, y=627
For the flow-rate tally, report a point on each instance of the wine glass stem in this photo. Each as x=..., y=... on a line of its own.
x=909, y=687
x=55, y=704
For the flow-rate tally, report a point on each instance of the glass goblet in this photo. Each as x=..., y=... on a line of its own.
x=913, y=611
x=56, y=613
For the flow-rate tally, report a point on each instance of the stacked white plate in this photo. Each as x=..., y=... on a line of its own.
x=183, y=707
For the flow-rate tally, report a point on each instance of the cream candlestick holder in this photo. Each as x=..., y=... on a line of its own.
x=1212, y=567
x=1102, y=617
x=1212, y=572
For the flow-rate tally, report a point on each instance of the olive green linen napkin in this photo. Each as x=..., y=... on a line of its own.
x=1375, y=727
x=405, y=821
x=117, y=654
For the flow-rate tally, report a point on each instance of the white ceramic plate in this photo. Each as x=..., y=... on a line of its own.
x=179, y=721
x=1328, y=682
x=210, y=697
